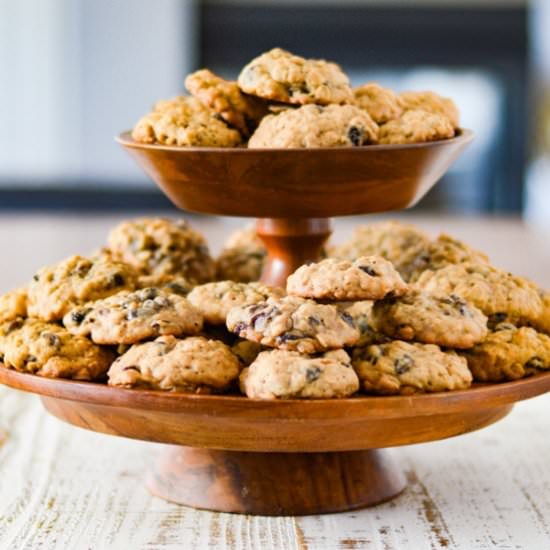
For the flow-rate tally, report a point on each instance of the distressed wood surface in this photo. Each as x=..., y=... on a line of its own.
x=62, y=487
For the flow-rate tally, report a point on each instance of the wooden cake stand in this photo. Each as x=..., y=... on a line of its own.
x=286, y=457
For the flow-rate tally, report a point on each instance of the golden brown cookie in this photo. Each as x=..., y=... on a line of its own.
x=509, y=353
x=239, y=110
x=159, y=246
x=186, y=122
x=382, y=104
x=130, y=317
x=193, y=364
x=431, y=102
x=402, y=368
x=56, y=289
x=445, y=320
x=495, y=292
x=366, y=278
x=316, y=126
x=279, y=75
x=13, y=304
x=294, y=324
x=46, y=349
x=279, y=374
x=415, y=126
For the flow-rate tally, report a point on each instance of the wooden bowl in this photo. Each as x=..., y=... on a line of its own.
x=297, y=183
x=276, y=457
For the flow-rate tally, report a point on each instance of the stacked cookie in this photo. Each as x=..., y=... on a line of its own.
x=391, y=311
x=283, y=100
x=516, y=343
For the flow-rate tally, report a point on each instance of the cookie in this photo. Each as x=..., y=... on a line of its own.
x=361, y=313
x=13, y=304
x=279, y=75
x=214, y=300
x=294, y=324
x=382, y=104
x=316, y=126
x=46, y=349
x=185, y=122
x=130, y=317
x=159, y=246
x=443, y=251
x=194, y=364
x=402, y=368
x=416, y=126
x=6, y=328
x=57, y=289
x=239, y=110
x=509, y=353
x=279, y=374
x=242, y=257
x=366, y=278
x=168, y=283
x=397, y=242
x=495, y=292
x=445, y=320
x=432, y=103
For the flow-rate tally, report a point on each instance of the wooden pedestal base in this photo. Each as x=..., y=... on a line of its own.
x=275, y=484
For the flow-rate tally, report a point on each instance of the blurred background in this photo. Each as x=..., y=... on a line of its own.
x=74, y=73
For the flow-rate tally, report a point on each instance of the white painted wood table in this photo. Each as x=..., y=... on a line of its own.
x=65, y=488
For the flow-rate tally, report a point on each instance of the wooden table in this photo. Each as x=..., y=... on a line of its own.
x=65, y=488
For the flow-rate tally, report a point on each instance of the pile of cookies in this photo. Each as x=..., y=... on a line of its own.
x=282, y=100
x=391, y=311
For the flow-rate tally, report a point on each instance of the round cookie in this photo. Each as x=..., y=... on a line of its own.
x=431, y=102
x=493, y=291
x=509, y=353
x=279, y=374
x=415, y=126
x=194, y=364
x=316, y=126
x=130, y=317
x=6, y=328
x=444, y=251
x=294, y=324
x=186, y=122
x=56, y=289
x=13, y=304
x=279, y=75
x=361, y=313
x=159, y=246
x=382, y=104
x=402, y=368
x=242, y=257
x=241, y=111
x=395, y=241
x=445, y=320
x=366, y=278
x=46, y=349
x=214, y=300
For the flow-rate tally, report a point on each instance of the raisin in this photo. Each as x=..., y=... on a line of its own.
x=355, y=135
x=132, y=367
x=313, y=321
x=348, y=319
x=368, y=270
x=115, y=280
x=53, y=339
x=240, y=328
x=403, y=364
x=36, y=278
x=497, y=318
x=288, y=337
x=313, y=373
x=534, y=363
x=132, y=314
x=79, y=315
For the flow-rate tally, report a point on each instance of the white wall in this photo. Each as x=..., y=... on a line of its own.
x=73, y=73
